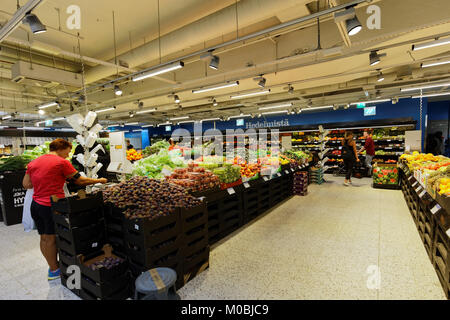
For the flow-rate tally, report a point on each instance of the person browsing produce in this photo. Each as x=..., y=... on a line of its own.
x=349, y=155
x=369, y=146
x=47, y=175
x=129, y=145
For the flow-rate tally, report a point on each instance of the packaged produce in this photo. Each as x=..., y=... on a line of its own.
x=228, y=173
x=141, y=197
x=194, y=178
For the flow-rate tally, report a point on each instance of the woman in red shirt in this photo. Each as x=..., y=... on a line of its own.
x=47, y=175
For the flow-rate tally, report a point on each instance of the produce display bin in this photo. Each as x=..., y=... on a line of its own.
x=81, y=246
x=81, y=202
x=101, y=275
x=12, y=196
x=442, y=260
x=124, y=294
x=386, y=176
x=78, y=219
x=112, y=290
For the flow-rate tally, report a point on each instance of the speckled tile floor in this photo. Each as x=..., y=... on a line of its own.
x=331, y=244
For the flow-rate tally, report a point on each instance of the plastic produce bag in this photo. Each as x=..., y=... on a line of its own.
x=27, y=220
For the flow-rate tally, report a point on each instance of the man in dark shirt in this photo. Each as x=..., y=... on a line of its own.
x=369, y=146
x=129, y=145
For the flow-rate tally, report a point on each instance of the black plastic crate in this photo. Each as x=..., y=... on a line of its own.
x=147, y=233
x=123, y=294
x=78, y=219
x=196, y=260
x=81, y=202
x=195, y=244
x=77, y=235
x=102, y=275
x=105, y=289
x=67, y=258
x=81, y=246
x=168, y=252
x=193, y=217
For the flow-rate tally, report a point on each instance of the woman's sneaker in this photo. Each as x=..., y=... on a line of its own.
x=53, y=275
x=346, y=184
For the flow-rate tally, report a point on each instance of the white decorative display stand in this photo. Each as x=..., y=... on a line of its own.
x=323, y=149
x=87, y=136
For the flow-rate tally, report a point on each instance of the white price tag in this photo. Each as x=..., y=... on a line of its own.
x=410, y=178
x=286, y=171
x=246, y=185
x=415, y=184
x=94, y=245
x=136, y=227
x=265, y=178
x=292, y=169
x=202, y=198
x=448, y=232
x=418, y=189
x=278, y=174
x=435, y=209
x=422, y=194
x=231, y=191
x=388, y=140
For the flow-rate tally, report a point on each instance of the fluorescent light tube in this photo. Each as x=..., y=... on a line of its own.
x=431, y=44
x=212, y=119
x=106, y=109
x=240, y=116
x=433, y=95
x=179, y=118
x=250, y=94
x=317, y=108
x=147, y=126
x=47, y=105
x=164, y=124
x=426, y=87
x=145, y=111
x=59, y=119
x=155, y=72
x=285, y=105
x=189, y=121
x=433, y=64
x=275, y=112
x=113, y=125
x=132, y=124
x=7, y=117
x=371, y=101
x=138, y=130
x=216, y=87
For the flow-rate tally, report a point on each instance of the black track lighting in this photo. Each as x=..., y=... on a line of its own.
x=262, y=82
x=35, y=24
x=353, y=26
x=374, y=58
x=176, y=98
x=117, y=90
x=214, y=64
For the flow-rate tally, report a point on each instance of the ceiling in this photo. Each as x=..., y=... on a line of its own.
x=335, y=73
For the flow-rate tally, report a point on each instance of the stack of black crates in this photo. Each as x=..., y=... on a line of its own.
x=178, y=241
x=80, y=237
x=300, y=183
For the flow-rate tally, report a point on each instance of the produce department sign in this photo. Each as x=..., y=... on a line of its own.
x=267, y=124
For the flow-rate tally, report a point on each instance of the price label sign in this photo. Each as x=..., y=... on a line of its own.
x=422, y=194
x=435, y=209
x=278, y=174
x=415, y=184
x=292, y=169
x=448, y=232
x=286, y=171
x=202, y=198
x=388, y=140
x=265, y=178
x=246, y=185
x=410, y=178
x=136, y=227
x=418, y=189
x=231, y=191
x=94, y=245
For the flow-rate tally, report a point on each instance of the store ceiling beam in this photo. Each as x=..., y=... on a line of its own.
x=17, y=18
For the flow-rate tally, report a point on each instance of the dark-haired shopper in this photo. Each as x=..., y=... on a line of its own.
x=47, y=175
x=349, y=155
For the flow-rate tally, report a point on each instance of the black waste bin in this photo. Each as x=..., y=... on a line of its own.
x=12, y=196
